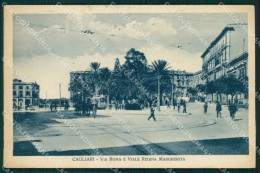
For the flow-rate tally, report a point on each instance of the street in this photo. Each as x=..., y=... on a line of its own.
x=111, y=133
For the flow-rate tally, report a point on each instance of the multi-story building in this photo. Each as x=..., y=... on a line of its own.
x=182, y=80
x=227, y=54
x=230, y=44
x=197, y=79
x=238, y=66
x=25, y=94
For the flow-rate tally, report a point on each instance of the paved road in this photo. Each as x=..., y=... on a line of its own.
x=130, y=133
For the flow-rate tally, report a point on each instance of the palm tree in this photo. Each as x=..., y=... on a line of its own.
x=161, y=69
x=105, y=79
x=94, y=68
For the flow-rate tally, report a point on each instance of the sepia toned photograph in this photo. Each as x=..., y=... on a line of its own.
x=161, y=86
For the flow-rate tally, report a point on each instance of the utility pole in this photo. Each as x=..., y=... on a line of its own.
x=60, y=94
x=172, y=92
x=244, y=45
x=45, y=98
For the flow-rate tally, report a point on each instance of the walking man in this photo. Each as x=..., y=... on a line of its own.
x=66, y=107
x=168, y=105
x=205, y=108
x=232, y=109
x=152, y=114
x=174, y=104
x=55, y=106
x=218, y=109
x=179, y=107
x=184, y=106
x=94, y=111
x=51, y=106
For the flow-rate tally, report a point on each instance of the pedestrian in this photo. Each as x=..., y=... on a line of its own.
x=235, y=110
x=51, y=106
x=168, y=105
x=66, y=107
x=116, y=105
x=181, y=102
x=184, y=106
x=167, y=102
x=205, y=108
x=179, y=107
x=152, y=114
x=94, y=111
x=218, y=109
x=55, y=106
x=232, y=110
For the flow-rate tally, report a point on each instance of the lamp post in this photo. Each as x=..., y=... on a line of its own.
x=172, y=81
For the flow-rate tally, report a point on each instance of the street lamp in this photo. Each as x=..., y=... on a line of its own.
x=172, y=81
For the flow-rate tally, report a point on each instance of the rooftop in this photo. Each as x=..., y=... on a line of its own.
x=227, y=28
x=20, y=82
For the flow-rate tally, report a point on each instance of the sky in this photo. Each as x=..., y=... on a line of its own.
x=115, y=35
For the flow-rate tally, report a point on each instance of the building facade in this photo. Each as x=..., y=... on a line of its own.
x=238, y=66
x=230, y=45
x=227, y=54
x=197, y=79
x=181, y=81
x=25, y=94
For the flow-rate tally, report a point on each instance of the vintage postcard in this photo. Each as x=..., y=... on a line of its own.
x=114, y=86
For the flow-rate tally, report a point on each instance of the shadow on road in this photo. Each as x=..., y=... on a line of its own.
x=229, y=146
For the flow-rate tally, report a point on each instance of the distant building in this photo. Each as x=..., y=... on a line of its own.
x=182, y=81
x=197, y=79
x=25, y=94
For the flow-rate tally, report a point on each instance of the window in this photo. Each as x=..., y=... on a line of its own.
x=27, y=87
x=28, y=93
x=216, y=61
x=13, y=86
x=242, y=72
x=14, y=93
x=20, y=93
x=20, y=87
